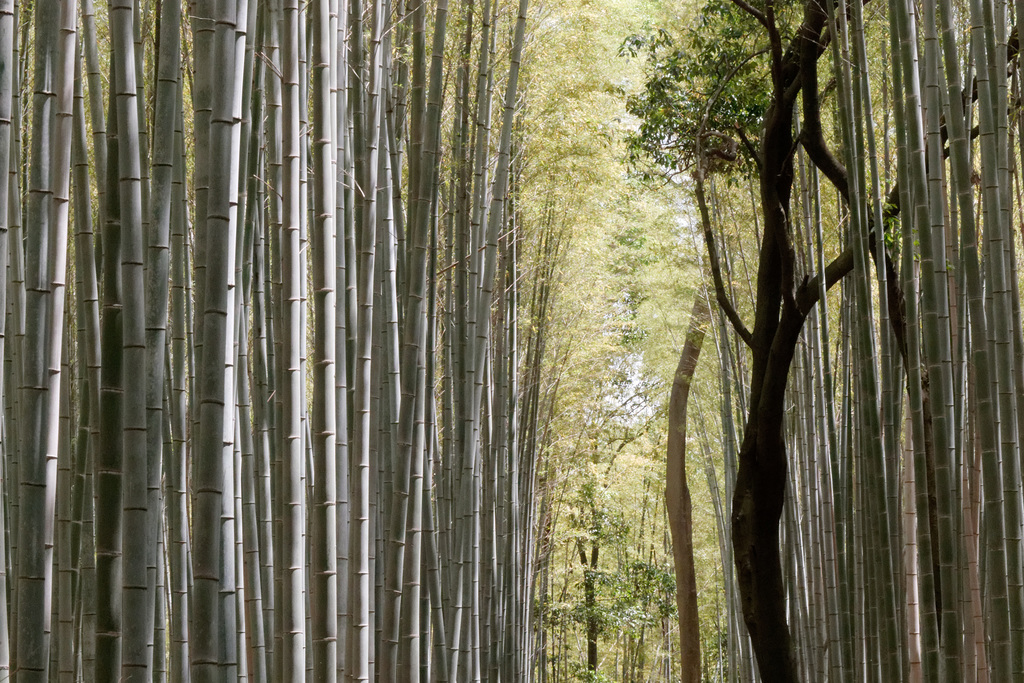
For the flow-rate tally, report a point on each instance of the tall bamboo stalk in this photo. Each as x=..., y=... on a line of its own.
x=324, y=595
x=137, y=601
x=213, y=648
x=46, y=260
x=7, y=136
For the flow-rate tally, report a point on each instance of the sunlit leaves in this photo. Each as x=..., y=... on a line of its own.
x=704, y=80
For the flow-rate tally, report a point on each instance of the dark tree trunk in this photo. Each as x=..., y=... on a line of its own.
x=780, y=311
x=781, y=307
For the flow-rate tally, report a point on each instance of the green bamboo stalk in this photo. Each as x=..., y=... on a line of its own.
x=237, y=558
x=157, y=279
x=884, y=450
x=912, y=603
x=254, y=632
x=986, y=420
x=410, y=438
x=457, y=249
x=176, y=466
x=271, y=347
x=988, y=54
x=393, y=493
x=138, y=12
x=365, y=136
x=86, y=618
x=16, y=296
x=937, y=338
x=62, y=660
x=262, y=415
x=926, y=217
x=97, y=115
x=137, y=601
x=7, y=31
x=240, y=40
x=345, y=307
x=201, y=88
x=46, y=262
x=920, y=442
x=88, y=354
x=108, y=463
x=160, y=593
x=323, y=539
x=292, y=387
x=213, y=627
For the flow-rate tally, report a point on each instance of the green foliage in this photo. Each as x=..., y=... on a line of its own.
x=580, y=673
x=622, y=289
x=708, y=81
x=630, y=599
x=593, y=517
x=641, y=593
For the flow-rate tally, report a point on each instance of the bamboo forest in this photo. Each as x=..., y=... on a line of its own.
x=508, y=341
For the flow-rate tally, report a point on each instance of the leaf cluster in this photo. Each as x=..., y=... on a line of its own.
x=594, y=516
x=640, y=594
x=706, y=86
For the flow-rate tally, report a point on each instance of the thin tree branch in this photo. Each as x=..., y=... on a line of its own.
x=721, y=296
x=753, y=11
x=747, y=143
x=811, y=136
x=716, y=270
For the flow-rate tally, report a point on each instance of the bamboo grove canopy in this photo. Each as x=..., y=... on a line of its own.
x=260, y=400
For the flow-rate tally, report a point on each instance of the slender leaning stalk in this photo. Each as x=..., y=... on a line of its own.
x=365, y=137
x=175, y=467
x=401, y=615
x=262, y=415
